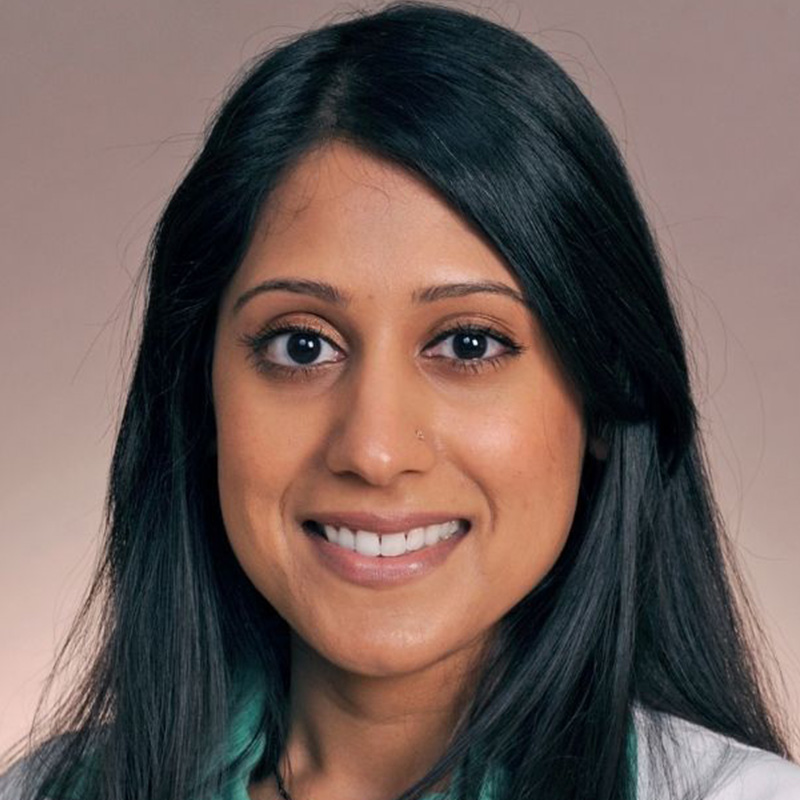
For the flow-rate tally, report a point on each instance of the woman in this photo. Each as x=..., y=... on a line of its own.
x=408, y=498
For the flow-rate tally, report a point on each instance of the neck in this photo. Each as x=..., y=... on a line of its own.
x=355, y=735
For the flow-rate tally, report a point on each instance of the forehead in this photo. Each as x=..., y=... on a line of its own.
x=367, y=225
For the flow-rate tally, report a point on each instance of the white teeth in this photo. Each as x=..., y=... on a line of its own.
x=393, y=544
x=390, y=544
x=346, y=538
x=431, y=535
x=415, y=539
x=368, y=544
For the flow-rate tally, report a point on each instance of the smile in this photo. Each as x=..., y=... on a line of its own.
x=387, y=545
x=335, y=549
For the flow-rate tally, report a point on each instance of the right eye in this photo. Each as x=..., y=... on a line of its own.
x=290, y=348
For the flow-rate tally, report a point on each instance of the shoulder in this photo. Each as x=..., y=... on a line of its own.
x=13, y=780
x=699, y=761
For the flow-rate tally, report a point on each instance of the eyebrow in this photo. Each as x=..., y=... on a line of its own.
x=330, y=294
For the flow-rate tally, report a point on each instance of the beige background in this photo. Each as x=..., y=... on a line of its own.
x=102, y=103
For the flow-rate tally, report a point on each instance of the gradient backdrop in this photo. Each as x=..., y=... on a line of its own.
x=102, y=106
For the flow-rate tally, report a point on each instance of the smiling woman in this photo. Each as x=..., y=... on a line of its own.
x=503, y=430
x=408, y=499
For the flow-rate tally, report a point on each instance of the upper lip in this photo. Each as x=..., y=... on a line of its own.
x=387, y=522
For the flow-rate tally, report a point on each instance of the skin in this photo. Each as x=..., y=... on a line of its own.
x=380, y=676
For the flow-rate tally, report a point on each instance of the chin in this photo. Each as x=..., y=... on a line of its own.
x=386, y=656
x=387, y=664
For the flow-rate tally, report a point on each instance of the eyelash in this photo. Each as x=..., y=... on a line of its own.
x=258, y=342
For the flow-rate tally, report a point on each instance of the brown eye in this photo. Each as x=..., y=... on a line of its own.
x=298, y=348
x=475, y=348
x=471, y=344
x=291, y=348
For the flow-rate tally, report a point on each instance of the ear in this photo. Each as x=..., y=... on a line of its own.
x=598, y=447
x=599, y=435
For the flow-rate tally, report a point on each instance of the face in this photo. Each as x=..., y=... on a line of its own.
x=325, y=420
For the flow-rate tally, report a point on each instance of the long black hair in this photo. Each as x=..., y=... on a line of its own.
x=643, y=608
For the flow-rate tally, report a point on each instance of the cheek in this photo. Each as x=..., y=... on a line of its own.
x=527, y=456
x=253, y=470
x=259, y=441
x=247, y=458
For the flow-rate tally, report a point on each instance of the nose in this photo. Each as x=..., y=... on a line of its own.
x=374, y=428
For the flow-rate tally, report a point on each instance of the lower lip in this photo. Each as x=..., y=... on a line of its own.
x=382, y=571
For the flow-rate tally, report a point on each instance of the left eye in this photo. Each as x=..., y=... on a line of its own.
x=469, y=344
x=302, y=348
